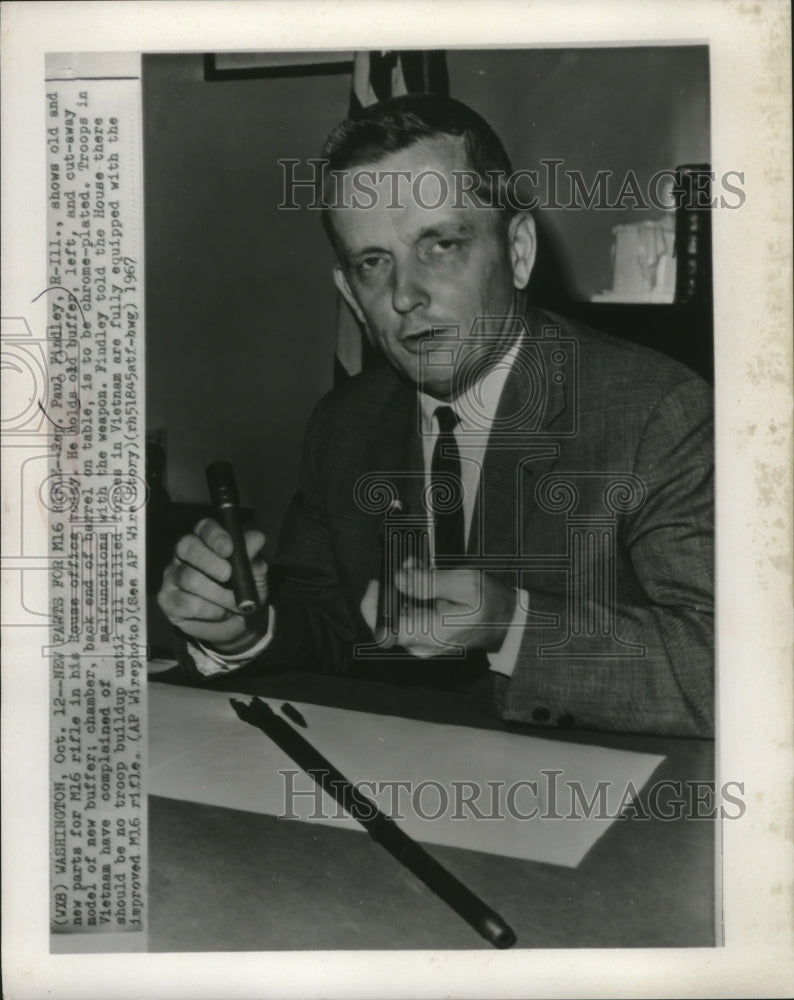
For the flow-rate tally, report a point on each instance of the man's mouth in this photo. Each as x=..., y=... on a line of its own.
x=438, y=331
x=413, y=340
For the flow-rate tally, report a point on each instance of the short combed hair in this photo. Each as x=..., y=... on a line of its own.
x=397, y=123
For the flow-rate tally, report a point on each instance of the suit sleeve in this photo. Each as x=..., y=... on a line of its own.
x=314, y=630
x=667, y=684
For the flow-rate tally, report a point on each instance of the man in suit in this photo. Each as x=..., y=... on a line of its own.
x=571, y=559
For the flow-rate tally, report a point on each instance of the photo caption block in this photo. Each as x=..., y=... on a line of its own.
x=94, y=493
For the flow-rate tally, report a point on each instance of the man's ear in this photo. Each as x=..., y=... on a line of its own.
x=341, y=283
x=523, y=247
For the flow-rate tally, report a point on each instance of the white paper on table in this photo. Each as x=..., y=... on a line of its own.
x=200, y=751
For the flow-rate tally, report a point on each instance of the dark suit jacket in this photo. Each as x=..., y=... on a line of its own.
x=595, y=497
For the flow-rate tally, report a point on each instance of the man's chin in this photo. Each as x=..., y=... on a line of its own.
x=438, y=388
x=419, y=369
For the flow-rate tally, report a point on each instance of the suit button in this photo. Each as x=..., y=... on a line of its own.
x=541, y=715
x=565, y=721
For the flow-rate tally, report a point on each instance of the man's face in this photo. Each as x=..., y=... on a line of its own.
x=420, y=266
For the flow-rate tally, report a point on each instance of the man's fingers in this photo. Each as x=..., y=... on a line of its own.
x=369, y=605
x=415, y=582
x=418, y=626
x=254, y=542
x=209, y=547
x=424, y=652
x=254, y=546
x=181, y=606
x=219, y=541
x=193, y=582
x=455, y=586
x=460, y=586
x=196, y=595
x=188, y=593
x=215, y=537
x=194, y=551
x=417, y=643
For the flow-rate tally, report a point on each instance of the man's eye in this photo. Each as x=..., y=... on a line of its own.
x=441, y=247
x=368, y=266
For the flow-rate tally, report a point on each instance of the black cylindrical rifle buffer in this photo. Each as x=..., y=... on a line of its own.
x=223, y=494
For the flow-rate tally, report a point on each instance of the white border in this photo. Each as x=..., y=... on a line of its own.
x=751, y=114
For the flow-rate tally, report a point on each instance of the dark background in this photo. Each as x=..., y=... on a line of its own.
x=240, y=306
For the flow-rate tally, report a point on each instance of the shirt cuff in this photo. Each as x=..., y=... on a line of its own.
x=211, y=663
x=504, y=660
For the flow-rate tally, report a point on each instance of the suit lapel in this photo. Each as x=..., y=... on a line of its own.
x=396, y=454
x=522, y=446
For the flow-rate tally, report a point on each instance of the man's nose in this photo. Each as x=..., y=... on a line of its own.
x=408, y=289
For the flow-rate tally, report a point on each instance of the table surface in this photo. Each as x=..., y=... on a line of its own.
x=225, y=880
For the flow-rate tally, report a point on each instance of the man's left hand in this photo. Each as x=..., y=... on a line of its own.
x=461, y=606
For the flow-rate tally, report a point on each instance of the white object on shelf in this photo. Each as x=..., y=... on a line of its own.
x=643, y=263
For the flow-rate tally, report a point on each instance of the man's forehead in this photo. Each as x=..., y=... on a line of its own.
x=419, y=176
x=409, y=190
x=439, y=152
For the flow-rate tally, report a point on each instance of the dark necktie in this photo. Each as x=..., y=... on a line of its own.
x=446, y=488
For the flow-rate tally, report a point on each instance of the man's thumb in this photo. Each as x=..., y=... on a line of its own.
x=254, y=546
x=369, y=605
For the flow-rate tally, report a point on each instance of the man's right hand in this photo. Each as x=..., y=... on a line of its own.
x=195, y=595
